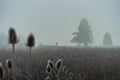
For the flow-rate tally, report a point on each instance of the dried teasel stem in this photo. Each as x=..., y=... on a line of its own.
x=30, y=44
x=13, y=40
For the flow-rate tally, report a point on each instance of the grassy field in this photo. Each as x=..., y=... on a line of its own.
x=84, y=63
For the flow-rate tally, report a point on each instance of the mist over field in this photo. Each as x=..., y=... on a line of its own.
x=59, y=40
x=54, y=21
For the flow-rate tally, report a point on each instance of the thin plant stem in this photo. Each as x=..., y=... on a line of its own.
x=14, y=58
x=30, y=65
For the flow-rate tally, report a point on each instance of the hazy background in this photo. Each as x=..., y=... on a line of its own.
x=54, y=21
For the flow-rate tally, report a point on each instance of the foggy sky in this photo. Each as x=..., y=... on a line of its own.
x=55, y=20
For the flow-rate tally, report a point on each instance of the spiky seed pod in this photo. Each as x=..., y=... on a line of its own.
x=59, y=64
x=47, y=78
x=51, y=64
x=30, y=40
x=64, y=68
x=48, y=69
x=1, y=71
x=12, y=36
x=9, y=64
x=71, y=74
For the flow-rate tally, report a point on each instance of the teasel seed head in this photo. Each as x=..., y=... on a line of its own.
x=48, y=69
x=1, y=71
x=12, y=36
x=9, y=63
x=59, y=64
x=51, y=64
x=71, y=74
x=30, y=40
x=64, y=68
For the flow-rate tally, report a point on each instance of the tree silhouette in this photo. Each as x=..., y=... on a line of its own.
x=84, y=34
x=13, y=40
x=30, y=44
x=107, y=40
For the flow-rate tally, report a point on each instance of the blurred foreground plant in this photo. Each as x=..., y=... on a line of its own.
x=56, y=71
x=13, y=40
x=1, y=71
x=30, y=44
x=9, y=69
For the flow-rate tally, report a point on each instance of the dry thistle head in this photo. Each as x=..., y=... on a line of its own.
x=12, y=36
x=48, y=69
x=9, y=63
x=1, y=71
x=59, y=64
x=71, y=74
x=30, y=40
x=64, y=68
x=51, y=64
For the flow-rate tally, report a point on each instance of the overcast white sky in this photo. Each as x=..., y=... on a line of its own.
x=55, y=20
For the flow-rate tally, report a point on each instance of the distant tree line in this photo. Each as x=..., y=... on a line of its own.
x=84, y=35
x=107, y=40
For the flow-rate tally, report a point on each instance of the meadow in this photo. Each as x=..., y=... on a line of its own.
x=83, y=63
